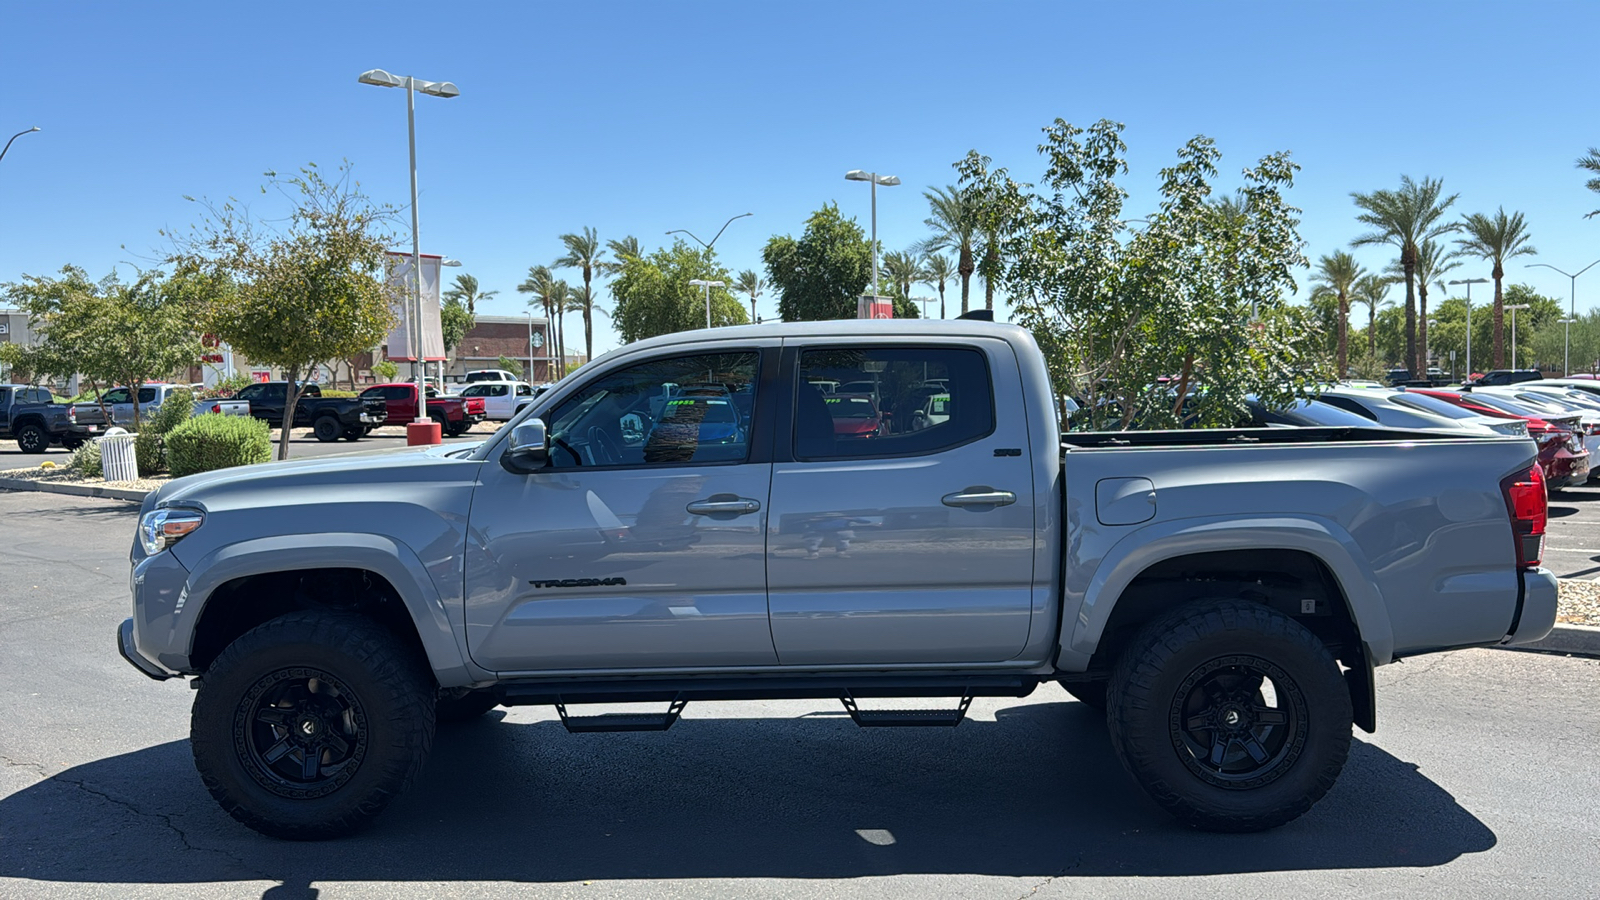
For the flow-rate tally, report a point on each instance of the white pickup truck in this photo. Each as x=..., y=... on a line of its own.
x=1222, y=595
x=502, y=400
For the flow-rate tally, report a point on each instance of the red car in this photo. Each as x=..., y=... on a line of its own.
x=1561, y=452
x=454, y=414
x=854, y=416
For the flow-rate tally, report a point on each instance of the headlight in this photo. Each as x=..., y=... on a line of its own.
x=162, y=528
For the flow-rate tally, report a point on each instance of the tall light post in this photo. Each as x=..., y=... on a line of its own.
x=875, y=179
x=708, y=285
x=1469, y=282
x=14, y=137
x=446, y=90
x=1512, y=308
x=1572, y=311
x=713, y=240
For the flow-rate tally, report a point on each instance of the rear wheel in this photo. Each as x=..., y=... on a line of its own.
x=33, y=439
x=327, y=429
x=307, y=727
x=1231, y=715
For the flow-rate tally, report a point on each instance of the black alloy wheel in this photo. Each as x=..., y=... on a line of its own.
x=327, y=429
x=1225, y=730
x=33, y=439
x=305, y=732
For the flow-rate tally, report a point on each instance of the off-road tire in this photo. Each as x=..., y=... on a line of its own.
x=463, y=705
x=327, y=429
x=1090, y=693
x=32, y=438
x=1149, y=723
x=390, y=703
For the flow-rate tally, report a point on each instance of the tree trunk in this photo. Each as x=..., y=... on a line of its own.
x=1408, y=263
x=941, y=300
x=1344, y=337
x=291, y=402
x=1372, y=331
x=1422, y=328
x=1499, y=320
x=965, y=267
x=588, y=316
x=991, y=262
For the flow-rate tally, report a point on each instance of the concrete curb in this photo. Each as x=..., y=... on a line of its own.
x=1583, y=640
x=76, y=490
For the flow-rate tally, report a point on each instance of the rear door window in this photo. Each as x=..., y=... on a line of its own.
x=891, y=401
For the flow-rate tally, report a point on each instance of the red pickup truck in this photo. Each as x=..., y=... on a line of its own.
x=454, y=414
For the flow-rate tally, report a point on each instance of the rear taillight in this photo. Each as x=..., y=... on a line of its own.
x=1528, y=505
x=72, y=414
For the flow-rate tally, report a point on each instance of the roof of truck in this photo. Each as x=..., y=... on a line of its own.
x=854, y=328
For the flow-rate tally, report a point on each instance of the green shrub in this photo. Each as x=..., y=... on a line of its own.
x=215, y=441
x=149, y=446
x=335, y=392
x=147, y=452
x=177, y=409
x=86, y=460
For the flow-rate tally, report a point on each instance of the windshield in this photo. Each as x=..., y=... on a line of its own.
x=1504, y=405
x=1424, y=403
x=1315, y=413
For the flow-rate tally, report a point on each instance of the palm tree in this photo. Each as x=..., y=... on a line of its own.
x=938, y=269
x=623, y=250
x=1372, y=291
x=466, y=292
x=903, y=269
x=1496, y=238
x=953, y=217
x=1337, y=274
x=750, y=283
x=561, y=303
x=1406, y=218
x=584, y=253
x=1591, y=163
x=1433, y=262
x=580, y=299
x=540, y=283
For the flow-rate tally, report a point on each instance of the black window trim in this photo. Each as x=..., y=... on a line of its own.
x=783, y=450
x=760, y=447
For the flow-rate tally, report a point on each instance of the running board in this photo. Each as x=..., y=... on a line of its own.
x=610, y=722
x=905, y=718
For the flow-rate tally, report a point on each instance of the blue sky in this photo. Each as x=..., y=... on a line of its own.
x=637, y=118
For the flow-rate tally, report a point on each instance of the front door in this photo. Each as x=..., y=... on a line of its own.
x=899, y=537
x=641, y=544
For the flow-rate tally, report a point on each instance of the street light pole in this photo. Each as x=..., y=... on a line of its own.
x=875, y=179
x=446, y=90
x=1469, y=282
x=1572, y=311
x=708, y=285
x=14, y=137
x=1513, y=310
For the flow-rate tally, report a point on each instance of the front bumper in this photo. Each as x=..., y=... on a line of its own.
x=131, y=654
x=1539, y=591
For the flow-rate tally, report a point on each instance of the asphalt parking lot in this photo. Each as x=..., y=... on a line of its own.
x=1479, y=783
x=1572, y=547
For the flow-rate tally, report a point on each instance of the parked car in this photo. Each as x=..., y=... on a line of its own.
x=1384, y=407
x=1507, y=376
x=1562, y=455
x=854, y=416
x=1304, y=413
x=1224, y=595
x=935, y=409
x=1548, y=405
x=31, y=416
x=119, y=401
x=490, y=375
x=1397, y=376
x=329, y=418
x=501, y=399
x=455, y=415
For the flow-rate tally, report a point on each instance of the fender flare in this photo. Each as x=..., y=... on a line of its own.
x=385, y=556
x=1144, y=547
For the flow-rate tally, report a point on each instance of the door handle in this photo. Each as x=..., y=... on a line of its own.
x=724, y=505
x=980, y=495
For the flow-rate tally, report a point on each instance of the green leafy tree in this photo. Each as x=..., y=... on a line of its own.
x=584, y=254
x=384, y=370
x=1337, y=274
x=1405, y=218
x=466, y=292
x=512, y=365
x=455, y=320
x=953, y=217
x=938, y=270
x=1496, y=238
x=1119, y=317
x=823, y=274
x=754, y=285
x=111, y=332
x=654, y=295
x=309, y=289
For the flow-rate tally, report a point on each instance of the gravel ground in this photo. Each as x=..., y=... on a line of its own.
x=60, y=474
x=1580, y=603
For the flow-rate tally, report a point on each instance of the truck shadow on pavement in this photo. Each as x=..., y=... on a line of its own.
x=1037, y=792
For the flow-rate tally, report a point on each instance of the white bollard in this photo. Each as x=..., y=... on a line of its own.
x=117, y=459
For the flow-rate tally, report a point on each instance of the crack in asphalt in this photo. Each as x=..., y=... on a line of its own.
x=163, y=818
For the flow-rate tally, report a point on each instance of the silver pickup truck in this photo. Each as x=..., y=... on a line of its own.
x=691, y=518
x=119, y=402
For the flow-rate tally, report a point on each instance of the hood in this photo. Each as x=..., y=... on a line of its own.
x=342, y=472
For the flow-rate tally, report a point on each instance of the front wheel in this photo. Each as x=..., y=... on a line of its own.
x=33, y=439
x=1231, y=715
x=307, y=727
x=327, y=429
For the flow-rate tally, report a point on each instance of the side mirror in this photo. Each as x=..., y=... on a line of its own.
x=530, y=448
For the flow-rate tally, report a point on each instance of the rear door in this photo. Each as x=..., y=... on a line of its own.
x=911, y=541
